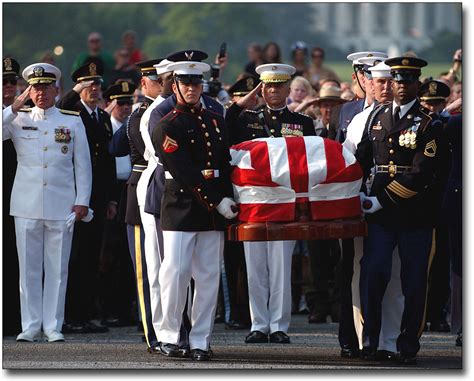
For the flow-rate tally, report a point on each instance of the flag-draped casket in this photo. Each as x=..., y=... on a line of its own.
x=272, y=175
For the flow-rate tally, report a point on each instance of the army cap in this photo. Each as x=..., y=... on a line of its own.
x=434, y=90
x=406, y=69
x=88, y=72
x=122, y=91
x=147, y=68
x=11, y=68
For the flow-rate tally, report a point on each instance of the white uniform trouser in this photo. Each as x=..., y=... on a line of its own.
x=269, y=279
x=153, y=249
x=392, y=302
x=43, y=245
x=189, y=255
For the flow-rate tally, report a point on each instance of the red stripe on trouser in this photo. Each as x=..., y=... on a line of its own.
x=341, y=208
x=267, y=212
x=298, y=164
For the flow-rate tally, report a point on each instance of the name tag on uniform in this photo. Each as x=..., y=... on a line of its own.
x=378, y=126
x=255, y=126
x=29, y=128
x=290, y=129
x=62, y=135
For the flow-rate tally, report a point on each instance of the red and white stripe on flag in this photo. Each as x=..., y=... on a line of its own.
x=271, y=175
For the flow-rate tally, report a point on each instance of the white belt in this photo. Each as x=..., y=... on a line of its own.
x=207, y=173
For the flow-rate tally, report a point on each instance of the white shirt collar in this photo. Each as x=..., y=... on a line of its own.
x=41, y=114
x=89, y=110
x=403, y=108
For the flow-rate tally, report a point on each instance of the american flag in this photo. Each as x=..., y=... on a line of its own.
x=271, y=175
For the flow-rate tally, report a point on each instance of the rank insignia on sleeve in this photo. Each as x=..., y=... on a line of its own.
x=430, y=149
x=169, y=145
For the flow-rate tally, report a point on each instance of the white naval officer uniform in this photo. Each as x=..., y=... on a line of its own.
x=53, y=174
x=393, y=300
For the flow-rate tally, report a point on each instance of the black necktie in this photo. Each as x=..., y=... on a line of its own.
x=396, y=115
x=94, y=116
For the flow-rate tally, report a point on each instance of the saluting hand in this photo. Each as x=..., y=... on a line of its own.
x=111, y=106
x=250, y=100
x=81, y=86
x=21, y=100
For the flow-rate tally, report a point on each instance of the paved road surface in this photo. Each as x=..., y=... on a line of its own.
x=313, y=346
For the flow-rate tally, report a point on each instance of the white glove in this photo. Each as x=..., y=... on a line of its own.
x=225, y=209
x=375, y=203
x=71, y=219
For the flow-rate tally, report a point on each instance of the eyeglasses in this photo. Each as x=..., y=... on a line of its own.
x=10, y=81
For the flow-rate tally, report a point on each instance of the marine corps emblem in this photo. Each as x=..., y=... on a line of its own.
x=192, y=66
x=38, y=71
x=274, y=67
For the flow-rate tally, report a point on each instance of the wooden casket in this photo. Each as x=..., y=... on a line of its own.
x=295, y=188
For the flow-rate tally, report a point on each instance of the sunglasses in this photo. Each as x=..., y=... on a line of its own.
x=191, y=79
x=10, y=81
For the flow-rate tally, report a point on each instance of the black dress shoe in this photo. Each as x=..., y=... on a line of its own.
x=384, y=355
x=349, y=352
x=256, y=337
x=235, y=325
x=368, y=353
x=459, y=340
x=75, y=328
x=185, y=351
x=170, y=350
x=200, y=355
x=96, y=328
x=440, y=326
x=406, y=359
x=279, y=337
x=154, y=349
x=317, y=318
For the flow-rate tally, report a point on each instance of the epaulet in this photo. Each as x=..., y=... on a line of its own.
x=69, y=112
x=25, y=109
x=170, y=116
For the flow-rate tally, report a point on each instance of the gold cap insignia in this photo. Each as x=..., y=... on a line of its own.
x=249, y=84
x=370, y=55
x=92, y=69
x=125, y=88
x=274, y=67
x=189, y=56
x=432, y=88
x=405, y=62
x=192, y=66
x=8, y=64
x=38, y=71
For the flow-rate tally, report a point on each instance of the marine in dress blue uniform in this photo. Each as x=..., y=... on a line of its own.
x=402, y=141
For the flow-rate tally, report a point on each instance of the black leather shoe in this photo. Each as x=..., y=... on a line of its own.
x=406, y=359
x=170, y=350
x=317, y=318
x=384, y=355
x=256, y=337
x=185, y=351
x=154, y=349
x=235, y=325
x=459, y=340
x=75, y=328
x=440, y=326
x=349, y=352
x=200, y=355
x=279, y=337
x=96, y=328
x=368, y=353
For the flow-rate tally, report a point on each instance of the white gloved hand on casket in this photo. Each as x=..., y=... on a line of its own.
x=225, y=208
